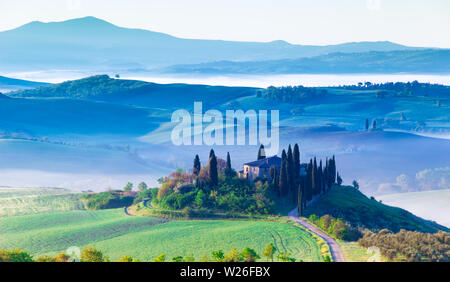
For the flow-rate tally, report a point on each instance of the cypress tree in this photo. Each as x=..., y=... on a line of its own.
x=290, y=169
x=213, y=173
x=367, y=124
x=197, y=165
x=261, y=153
x=283, y=184
x=325, y=175
x=229, y=172
x=296, y=162
x=308, y=185
x=273, y=172
x=228, y=164
x=314, y=178
x=300, y=200
x=320, y=178
x=333, y=171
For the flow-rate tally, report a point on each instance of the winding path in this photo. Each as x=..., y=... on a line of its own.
x=336, y=252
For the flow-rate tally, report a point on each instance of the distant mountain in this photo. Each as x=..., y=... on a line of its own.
x=406, y=61
x=93, y=43
x=11, y=84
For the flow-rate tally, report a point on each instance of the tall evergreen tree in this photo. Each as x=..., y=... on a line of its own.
x=228, y=164
x=283, y=183
x=325, y=175
x=367, y=124
x=314, y=181
x=333, y=170
x=308, y=186
x=197, y=165
x=296, y=162
x=261, y=152
x=320, y=177
x=300, y=200
x=290, y=169
x=229, y=172
x=274, y=175
x=213, y=172
x=339, y=179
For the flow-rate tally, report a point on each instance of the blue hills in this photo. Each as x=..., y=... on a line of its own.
x=104, y=124
x=430, y=61
x=94, y=43
x=10, y=84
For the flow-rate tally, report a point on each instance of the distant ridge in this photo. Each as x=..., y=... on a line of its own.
x=90, y=42
x=405, y=61
x=11, y=84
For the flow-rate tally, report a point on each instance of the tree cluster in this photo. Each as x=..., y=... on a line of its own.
x=214, y=186
x=410, y=246
x=293, y=94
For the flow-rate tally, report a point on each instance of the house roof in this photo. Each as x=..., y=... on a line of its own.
x=267, y=162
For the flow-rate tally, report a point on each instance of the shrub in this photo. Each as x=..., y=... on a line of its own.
x=160, y=258
x=16, y=255
x=338, y=228
x=90, y=254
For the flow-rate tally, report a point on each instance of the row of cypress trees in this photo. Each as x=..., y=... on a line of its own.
x=288, y=180
x=317, y=180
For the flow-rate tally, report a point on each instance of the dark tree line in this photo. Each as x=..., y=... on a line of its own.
x=317, y=180
x=404, y=88
x=293, y=94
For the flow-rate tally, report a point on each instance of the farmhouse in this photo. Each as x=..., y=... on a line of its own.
x=260, y=168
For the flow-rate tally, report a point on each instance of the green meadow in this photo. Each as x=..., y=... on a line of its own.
x=144, y=238
x=24, y=201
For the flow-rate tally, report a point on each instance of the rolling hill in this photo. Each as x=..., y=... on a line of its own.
x=405, y=61
x=138, y=93
x=96, y=44
x=10, y=84
x=22, y=201
x=353, y=206
x=145, y=238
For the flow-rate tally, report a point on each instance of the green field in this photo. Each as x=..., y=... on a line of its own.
x=23, y=201
x=145, y=238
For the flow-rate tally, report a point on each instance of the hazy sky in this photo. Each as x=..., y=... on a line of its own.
x=410, y=22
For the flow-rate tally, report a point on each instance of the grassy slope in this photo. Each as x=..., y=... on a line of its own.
x=145, y=238
x=353, y=206
x=23, y=201
x=202, y=237
x=55, y=232
x=141, y=93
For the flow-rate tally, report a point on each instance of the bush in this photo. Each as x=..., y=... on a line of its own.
x=337, y=228
x=91, y=254
x=107, y=200
x=16, y=255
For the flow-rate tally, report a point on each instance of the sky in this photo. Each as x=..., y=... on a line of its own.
x=317, y=22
